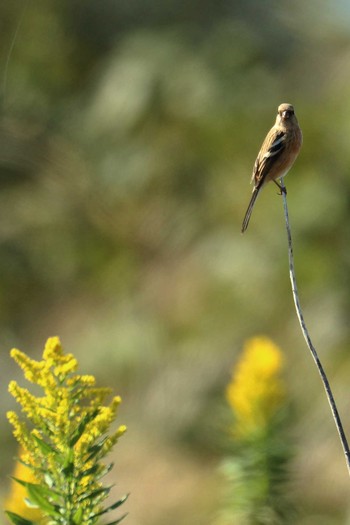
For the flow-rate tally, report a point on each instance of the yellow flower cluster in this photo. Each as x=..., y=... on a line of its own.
x=52, y=370
x=69, y=422
x=256, y=390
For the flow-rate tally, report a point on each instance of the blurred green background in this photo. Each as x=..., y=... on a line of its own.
x=128, y=133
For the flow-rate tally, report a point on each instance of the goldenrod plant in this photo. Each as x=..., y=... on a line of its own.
x=64, y=439
x=256, y=466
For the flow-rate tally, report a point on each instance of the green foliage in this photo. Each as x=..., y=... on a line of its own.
x=17, y=520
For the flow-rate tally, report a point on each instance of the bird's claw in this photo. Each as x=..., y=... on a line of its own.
x=282, y=191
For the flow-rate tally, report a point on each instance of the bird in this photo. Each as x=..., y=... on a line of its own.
x=276, y=156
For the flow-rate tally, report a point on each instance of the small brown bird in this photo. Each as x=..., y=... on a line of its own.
x=277, y=154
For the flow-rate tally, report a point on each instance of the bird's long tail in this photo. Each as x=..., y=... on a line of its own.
x=250, y=209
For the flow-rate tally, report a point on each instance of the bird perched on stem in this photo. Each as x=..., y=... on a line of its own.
x=277, y=154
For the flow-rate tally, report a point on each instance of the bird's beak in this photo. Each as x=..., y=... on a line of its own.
x=285, y=114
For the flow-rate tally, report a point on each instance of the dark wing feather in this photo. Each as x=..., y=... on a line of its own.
x=265, y=160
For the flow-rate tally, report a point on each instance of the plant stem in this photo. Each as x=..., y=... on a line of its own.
x=307, y=338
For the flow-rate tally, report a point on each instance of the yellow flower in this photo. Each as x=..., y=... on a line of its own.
x=256, y=390
x=85, y=380
x=53, y=349
x=64, y=368
x=112, y=440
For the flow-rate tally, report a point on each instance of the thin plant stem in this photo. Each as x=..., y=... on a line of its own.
x=307, y=338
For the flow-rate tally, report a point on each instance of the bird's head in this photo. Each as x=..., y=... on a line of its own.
x=285, y=112
x=286, y=116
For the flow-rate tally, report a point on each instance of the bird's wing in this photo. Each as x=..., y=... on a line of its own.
x=272, y=148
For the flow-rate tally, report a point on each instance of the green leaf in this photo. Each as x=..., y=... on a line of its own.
x=118, y=520
x=63, y=458
x=112, y=507
x=89, y=471
x=95, y=493
x=105, y=470
x=68, y=463
x=39, y=496
x=78, y=516
x=33, y=468
x=95, y=449
x=79, y=431
x=20, y=460
x=44, y=447
x=18, y=520
x=45, y=491
x=20, y=481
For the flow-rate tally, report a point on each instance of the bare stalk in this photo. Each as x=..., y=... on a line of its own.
x=307, y=338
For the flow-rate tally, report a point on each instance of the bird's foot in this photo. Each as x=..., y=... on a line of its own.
x=283, y=189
